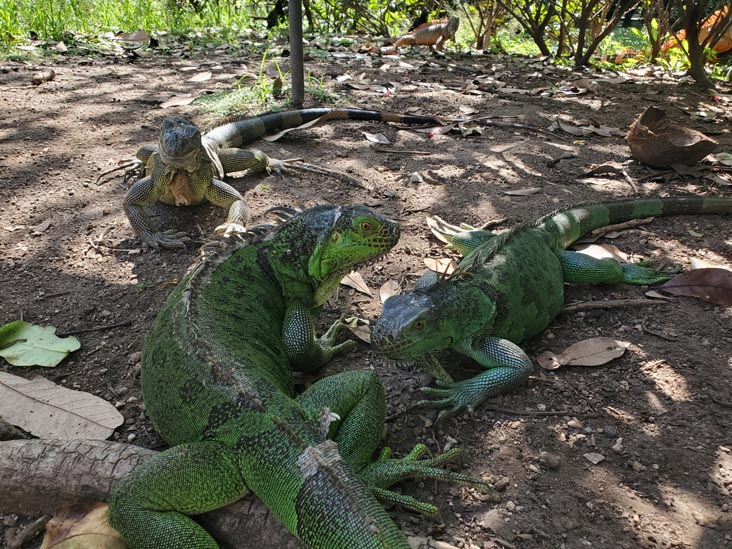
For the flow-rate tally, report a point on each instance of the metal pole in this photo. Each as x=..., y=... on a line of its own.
x=297, y=63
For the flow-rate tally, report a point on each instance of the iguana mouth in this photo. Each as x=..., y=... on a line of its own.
x=180, y=162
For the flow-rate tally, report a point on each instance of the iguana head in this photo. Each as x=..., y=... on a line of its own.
x=327, y=242
x=357, y=235
x=431, y=319
x=180, y=143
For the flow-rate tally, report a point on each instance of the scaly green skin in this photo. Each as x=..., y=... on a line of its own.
x=217, y=385
x=507, y=289
x=183, y=169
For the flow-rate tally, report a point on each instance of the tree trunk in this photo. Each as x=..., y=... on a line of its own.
x=38, y=476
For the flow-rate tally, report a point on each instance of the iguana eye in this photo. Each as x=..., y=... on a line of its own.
x=366, y=226
x=335, y=237
x=419, y=325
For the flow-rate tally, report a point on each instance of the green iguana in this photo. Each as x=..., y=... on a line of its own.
x=433, y=34
x=183, y=169
x=217, y=385
x=507, y=289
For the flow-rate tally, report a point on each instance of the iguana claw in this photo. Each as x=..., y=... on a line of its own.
x=327, y=340
x=134, y=167
x=170, y=239
x=461, y=395
x=386, y=471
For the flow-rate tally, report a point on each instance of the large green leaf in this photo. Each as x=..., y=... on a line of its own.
x=25, y=344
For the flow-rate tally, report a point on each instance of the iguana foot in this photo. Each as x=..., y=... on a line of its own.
x=170, y=239
x=328, y=339
x=386, y=471
x=457, y=396
x=640, y=273
x=134, y=169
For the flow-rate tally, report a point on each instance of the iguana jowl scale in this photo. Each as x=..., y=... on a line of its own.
x=217, y=385
x=507, y=289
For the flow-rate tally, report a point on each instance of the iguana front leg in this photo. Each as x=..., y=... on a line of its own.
x=144, y=192
x=224, y=195
x=304, y=350
x=355, y=401
x=508, y=367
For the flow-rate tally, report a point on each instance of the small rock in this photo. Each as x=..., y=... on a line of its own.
x=131, y=437
x=550, y=461
x=511, y=506
x=618, y=446
x=594, y=457
x=638, y=466
x=610, y=430
x=574, y=423
x=541, y=407
x=449, y=443
x=501, y=484
x=134, y=358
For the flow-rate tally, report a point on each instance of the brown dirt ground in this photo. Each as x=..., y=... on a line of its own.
x=668, y=398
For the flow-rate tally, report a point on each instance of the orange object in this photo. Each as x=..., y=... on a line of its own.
x=724, y=44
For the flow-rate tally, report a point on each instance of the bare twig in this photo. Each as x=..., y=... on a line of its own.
x=401, y=151
x=609, y=304
x=96, y=328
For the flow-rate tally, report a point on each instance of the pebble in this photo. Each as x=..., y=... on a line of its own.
x=131, y=437
x=511, y=506
x=594, y=457
x=550, y=461
x=574, y=423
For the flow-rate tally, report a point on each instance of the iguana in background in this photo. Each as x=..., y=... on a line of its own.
x=507, y=289
x=433, y=34
x=185, y=166
x=217, y=385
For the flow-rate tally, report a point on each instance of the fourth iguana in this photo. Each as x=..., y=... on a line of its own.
x=218, y=386
x=507, y=289
x=186, y=166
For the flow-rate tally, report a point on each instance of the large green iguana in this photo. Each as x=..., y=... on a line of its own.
x=183, y=169
x=217, y=386
x=507, y=289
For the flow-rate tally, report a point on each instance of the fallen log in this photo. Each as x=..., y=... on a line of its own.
x=38, y=476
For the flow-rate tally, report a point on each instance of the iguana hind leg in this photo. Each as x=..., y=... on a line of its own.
x=150, y=506
x=508, y=367
x=584, y=269
x=357, y=400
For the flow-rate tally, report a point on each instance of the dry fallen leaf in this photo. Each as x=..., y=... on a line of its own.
x=388, y=289
x=445, y=266
x=82, y=526
x=712, y=285
x=355, y=280
x=523, y=192
x=47, y=410
x=379, y=138
x=200, y=77
x=701, y=264
x=601, y=251
x=589, y=352
x=359, y=327
x=178, y=101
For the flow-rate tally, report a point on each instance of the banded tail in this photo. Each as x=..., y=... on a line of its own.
x=568, y=225
x=237, y=133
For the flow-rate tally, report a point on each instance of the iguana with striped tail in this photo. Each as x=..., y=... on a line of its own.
x=185, y=166
x=507, y=289
x=217, y=385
